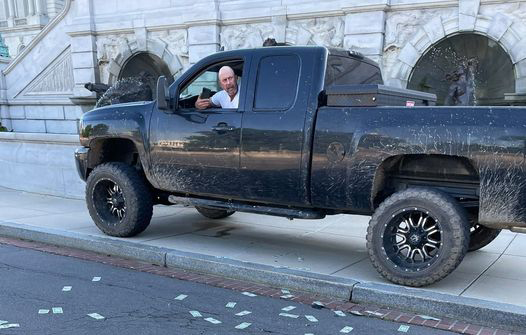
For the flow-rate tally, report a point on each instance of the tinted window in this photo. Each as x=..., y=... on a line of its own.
x=350, y=71
x=277, y=82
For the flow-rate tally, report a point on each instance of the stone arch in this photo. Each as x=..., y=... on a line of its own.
x=128, y=50
x=501, y=28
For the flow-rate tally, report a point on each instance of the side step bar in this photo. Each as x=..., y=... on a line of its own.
x=291, y=213
x=521, y=230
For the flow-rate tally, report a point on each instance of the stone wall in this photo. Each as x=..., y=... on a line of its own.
x=40, y=163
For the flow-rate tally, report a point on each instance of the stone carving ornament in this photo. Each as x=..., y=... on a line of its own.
x=109, y=46
x=322, y=31
x=402, y=26
x=176, y=41
x=245, y=36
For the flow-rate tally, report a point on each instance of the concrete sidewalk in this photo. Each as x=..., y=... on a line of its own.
x=331, y=249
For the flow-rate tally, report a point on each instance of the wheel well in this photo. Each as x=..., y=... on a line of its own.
x=454, y=175
x=113, y=150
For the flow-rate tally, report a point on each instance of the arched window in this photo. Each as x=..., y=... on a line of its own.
x=465, y=69
x=146, y=66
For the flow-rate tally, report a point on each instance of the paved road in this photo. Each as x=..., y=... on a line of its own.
x=50, y=294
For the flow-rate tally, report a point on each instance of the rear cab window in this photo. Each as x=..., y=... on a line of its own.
x=348, y=70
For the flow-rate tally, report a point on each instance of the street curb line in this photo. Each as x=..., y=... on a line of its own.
x=478, y=311
x=335, y=287
x=103, y=245
x=339, y=288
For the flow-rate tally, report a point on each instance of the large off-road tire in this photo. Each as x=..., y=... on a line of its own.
x=418, y=236
x=214, y=213
x=119, y=200
x=481, y=236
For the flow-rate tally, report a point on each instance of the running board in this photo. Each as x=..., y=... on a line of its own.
x=291, y=213
x=521, y=230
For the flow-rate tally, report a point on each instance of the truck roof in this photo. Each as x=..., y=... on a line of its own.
x=304, y=48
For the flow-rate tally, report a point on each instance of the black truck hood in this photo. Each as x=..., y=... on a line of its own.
x=126, y=120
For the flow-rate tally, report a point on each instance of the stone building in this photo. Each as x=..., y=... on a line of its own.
x=21, y=20
x=418, y=43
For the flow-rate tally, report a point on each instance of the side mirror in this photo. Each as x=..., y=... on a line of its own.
x=162, y=94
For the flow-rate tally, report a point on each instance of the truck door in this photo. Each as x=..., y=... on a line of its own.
x=197, y=151
x=273, y=157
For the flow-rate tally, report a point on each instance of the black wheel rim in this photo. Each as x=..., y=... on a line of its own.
x=476, y=229
x=412, y=239
x=109, y=201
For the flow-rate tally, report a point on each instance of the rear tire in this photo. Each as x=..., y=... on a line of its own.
x=214, y=213
x=119, y=200
x=417, y=236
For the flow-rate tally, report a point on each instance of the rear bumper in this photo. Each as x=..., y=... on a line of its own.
x=81, y=161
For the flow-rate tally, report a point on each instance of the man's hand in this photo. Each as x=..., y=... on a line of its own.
x=203, y=103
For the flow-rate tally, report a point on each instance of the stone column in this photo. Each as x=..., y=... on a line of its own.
x=11, y=13
x=5, y=115
x=83, y=52
x=203, y=31
x=202, y=41
x=279, y=23
x=30, y=7
x=365, y=32
x=39, y=7
x=37, y=12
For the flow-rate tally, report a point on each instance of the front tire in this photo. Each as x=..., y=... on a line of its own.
x=119, y=200
x=417, y=236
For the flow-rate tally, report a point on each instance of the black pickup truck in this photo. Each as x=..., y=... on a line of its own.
x=315, y=134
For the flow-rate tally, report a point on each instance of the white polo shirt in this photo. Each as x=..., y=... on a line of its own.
x=222, y=99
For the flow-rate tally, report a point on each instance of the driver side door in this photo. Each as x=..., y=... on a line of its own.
x=197, y=151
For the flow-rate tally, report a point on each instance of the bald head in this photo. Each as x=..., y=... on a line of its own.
x=228, y=81
x=225, y=71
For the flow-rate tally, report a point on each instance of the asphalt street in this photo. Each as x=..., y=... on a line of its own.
x=42, y=293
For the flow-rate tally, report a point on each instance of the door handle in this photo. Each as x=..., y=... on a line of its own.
x=222, y=127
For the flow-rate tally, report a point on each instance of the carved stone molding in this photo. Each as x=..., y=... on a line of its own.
x=245, y=36
x=321, y=31
x=56, y=79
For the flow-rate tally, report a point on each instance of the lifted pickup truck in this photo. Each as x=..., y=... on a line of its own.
x=315, y=134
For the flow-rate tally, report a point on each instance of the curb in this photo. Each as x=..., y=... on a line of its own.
x=487, y=313
x=103, y=245
x=339, y=288
x=335, y=287
x=478, y=311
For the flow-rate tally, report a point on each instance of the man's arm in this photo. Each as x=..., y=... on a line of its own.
x=208, y=103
